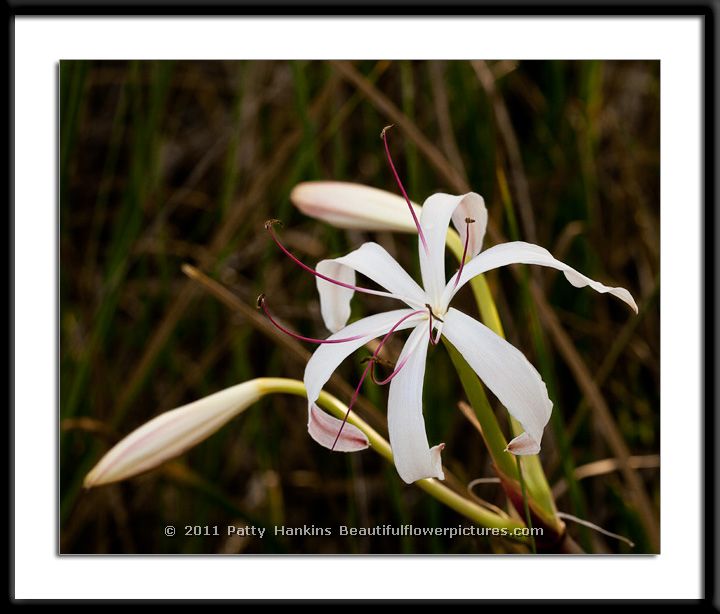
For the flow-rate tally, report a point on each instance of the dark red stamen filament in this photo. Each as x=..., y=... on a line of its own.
x=383, y=135
x=263, y=306
x=369, y=367
x=468, y=221
x=269, y=227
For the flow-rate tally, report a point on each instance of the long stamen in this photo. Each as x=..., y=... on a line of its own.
x=368, y=368
x=383, y=135
x=269, y=227
x=261, y=305
x=468, y=221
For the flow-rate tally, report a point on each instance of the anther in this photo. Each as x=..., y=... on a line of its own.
x=273, y=222
x=384, y=130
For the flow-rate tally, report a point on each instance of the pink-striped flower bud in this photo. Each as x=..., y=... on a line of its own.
x=172, y=433
x=352, y=205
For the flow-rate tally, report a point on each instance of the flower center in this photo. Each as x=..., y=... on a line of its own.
x=434, y=321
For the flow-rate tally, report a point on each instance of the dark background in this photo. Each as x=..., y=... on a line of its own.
x=163, y=163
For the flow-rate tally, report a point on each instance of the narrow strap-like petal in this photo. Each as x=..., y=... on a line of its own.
x=437, y=211
x=328, y=357
x=335, y=300
x=373, y=261
x=414, y=458
x=505, y=371
x=519, y=252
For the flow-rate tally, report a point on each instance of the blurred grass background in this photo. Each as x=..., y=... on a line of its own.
x=163, y=163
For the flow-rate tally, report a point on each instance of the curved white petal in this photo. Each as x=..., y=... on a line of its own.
x=519, y=252
x=471, y=206
x=334, y=299
x=374, y=262
x=328, y=356
x=505, y=371
x=414, y=458
x=324, y=428
x=437, y=211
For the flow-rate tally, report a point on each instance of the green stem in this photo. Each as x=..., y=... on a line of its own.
x=528, y=517
x=484, y=517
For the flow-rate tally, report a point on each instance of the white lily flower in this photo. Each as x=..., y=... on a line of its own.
x=503, y=368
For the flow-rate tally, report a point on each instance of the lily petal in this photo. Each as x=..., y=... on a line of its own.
x=519, y=252
x=437, y=211
x=374, y=262
x=413, y=456
x=523, y=445
x=328, y=357
x=334, y=300
x=504, y=369
x=352, y=205
x=324, y=429
x=471, y=206
x=172, y=433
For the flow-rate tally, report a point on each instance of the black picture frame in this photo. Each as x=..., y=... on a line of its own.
x=707, y=10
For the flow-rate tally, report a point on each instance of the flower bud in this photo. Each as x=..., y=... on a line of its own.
x=172, y=433
x=352, y=205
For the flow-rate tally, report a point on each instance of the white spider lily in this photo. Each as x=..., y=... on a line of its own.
x=503, y=368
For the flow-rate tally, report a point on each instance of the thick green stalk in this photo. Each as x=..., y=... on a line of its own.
x=491, y=432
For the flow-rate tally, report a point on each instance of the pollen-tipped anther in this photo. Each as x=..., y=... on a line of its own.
x=273, y=222
x=384, y=130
